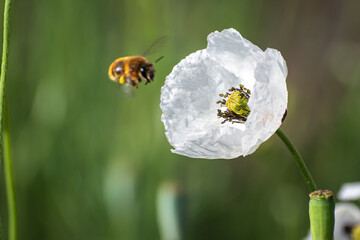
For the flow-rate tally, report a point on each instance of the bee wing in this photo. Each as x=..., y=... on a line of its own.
x=155, y=46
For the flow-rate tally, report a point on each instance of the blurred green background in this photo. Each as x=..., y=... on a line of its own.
x=88, y=159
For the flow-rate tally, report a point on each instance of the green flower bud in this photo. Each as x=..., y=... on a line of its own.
x=321, y=210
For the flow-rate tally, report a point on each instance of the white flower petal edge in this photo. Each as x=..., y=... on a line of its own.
x=191, y=90
x=349, y=191
x=346, y=215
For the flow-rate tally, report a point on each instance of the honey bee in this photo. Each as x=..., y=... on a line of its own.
x=133, y=69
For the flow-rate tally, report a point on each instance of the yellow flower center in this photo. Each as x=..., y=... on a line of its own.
x=238, y=104
x=355, y=233
x=237, y=109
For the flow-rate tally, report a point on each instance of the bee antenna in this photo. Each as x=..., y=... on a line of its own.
x=159, y=59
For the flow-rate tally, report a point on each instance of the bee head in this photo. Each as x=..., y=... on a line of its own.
x=147, y=71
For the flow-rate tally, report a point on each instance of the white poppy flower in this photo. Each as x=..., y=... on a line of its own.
x=347, y=221
x=349, y=191
x=191, y=92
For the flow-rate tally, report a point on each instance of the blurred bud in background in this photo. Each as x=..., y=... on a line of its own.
x=119, y=186
x=171, y=210
x=349, y=191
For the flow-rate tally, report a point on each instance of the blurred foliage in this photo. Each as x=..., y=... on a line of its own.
x=88, y=158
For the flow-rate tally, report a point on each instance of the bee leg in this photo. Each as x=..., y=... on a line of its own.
x=118, y=82
x=130, y=81
x=133, y=83
x=148, y=80
x=140, y=79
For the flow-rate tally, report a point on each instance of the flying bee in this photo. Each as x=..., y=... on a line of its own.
x=133, y=69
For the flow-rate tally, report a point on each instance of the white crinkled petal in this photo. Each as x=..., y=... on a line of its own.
x=235, y=53
x=349, y=191
x=268, y=101
x=346, y=214
x=190, y=93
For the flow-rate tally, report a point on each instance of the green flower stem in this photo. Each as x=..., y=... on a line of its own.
x=4, y=63
x=4, y=128
x=298, y=159
x=1, y=231
x=10, y=192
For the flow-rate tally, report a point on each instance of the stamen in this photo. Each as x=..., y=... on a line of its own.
x=237, y=109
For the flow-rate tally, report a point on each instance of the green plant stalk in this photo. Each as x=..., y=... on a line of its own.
x=0, y=230
x=5, y=133
x=10, y=192
x=298, y=159
x=4, y=62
